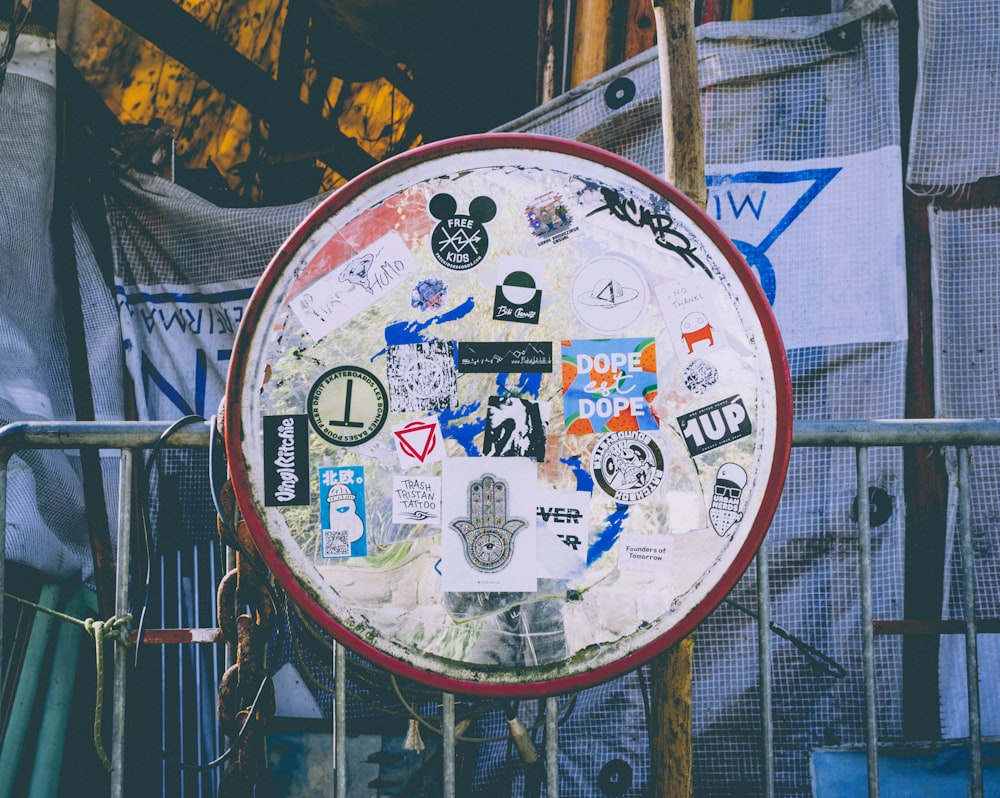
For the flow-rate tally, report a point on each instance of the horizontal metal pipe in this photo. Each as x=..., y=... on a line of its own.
x=932, y=627
x=107, y=434
x=843, y=432
x=897, y=432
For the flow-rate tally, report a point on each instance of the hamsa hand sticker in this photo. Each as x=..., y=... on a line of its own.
x=488, y=539
x=488, y=533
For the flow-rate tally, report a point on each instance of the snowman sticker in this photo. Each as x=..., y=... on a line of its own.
x=342, y=512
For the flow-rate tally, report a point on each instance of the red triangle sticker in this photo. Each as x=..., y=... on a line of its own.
x=417, y=439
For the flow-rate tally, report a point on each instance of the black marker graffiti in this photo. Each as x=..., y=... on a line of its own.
x=661, y=224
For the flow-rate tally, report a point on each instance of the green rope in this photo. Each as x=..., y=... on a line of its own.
x=112, y=629
x=115, y=629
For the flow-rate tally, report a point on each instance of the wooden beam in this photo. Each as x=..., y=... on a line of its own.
x=595, y=39
x=683, y=142
x=548, y=71
x=672, y=759
x=640, y=29
x=181, y=36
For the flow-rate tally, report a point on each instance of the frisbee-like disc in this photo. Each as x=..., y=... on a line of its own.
x=508, y=415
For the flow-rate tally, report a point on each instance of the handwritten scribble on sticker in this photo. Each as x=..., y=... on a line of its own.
x=356, y=272
x=515, y=427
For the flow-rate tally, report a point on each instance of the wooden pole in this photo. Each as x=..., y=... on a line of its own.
x=551, y=34
x=671, y=771
x=598, y=39
x=683, y=144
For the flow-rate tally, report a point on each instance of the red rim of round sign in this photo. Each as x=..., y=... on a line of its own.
x=290, y=582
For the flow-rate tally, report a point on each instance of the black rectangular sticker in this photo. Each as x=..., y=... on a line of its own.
x=717, y=424
x=286, y=460
x=494, y=358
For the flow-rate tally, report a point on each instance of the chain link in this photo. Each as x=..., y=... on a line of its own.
x=246, y=695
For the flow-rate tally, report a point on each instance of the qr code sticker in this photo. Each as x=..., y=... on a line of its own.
x=335, y=543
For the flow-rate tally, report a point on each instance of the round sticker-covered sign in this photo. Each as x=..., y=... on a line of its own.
x=508, y=415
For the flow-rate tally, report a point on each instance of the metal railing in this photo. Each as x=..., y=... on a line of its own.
x=862, y=435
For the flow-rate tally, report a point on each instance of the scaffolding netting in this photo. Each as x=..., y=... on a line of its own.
x=965, y=247
x=50, y=536
x=956, y=116
x=797, y=113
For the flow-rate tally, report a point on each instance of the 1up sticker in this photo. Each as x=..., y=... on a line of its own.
x=720, y=423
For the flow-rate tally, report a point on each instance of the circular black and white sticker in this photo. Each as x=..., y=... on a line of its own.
x=347, y=405
x=628, y=466
x=460, y=241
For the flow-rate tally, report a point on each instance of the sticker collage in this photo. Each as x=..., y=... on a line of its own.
x=517, y=390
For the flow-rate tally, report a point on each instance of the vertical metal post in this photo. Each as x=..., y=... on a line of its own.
x=867, y=632
x=969, y=610
x=4, y=463
x=122, y=578
x=181, y=686
x=340, y=718
x=448, y=745
x=552, y=747
x=764, y=659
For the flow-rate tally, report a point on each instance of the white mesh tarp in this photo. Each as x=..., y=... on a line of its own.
x=184, y=269
x=46, y=528
x=966, y=250
x=803, y=165
x=956, y=118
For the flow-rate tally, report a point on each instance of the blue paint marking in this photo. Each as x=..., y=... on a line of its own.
x=150, y=374
x=138, y=297
x=755, y=253
x=605, y=540
x=528, y=387
x=455, y=426
x=411, y=332
x=584, y=481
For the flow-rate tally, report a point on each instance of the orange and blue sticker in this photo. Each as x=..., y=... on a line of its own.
x=609, y=385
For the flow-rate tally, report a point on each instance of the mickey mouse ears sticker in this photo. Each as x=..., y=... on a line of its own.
x=460, y=241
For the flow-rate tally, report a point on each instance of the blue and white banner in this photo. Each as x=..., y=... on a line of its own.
x=178, y=341
x=825, y=238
